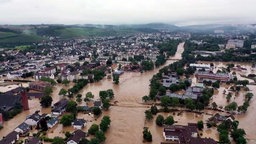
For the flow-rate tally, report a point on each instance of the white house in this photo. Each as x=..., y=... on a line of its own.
x=79, y=123
x=33, y=119
x=76, y=137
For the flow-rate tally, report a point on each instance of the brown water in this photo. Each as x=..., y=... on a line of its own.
x=128, y=118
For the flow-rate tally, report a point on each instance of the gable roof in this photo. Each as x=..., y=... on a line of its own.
x=24, y=127
x=79, y=122
x=10, y=138
x=33, y=140
x=36, y=117
x=77, y=136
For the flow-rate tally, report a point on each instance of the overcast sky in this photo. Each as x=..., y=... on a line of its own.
x=180, y=12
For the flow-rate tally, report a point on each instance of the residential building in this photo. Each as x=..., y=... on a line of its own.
x=76, y=137
x=206, y=67
x=39, y=85
x=79, y=123
x=60, y=107
x=11, y=138
x=23, y=129
x=223, y=77
x=33, y=140
x=235, y=43
x=33, y=119
x=179, y=134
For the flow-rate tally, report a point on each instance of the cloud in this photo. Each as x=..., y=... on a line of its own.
x=126, y=11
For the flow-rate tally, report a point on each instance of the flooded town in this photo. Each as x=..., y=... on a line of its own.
x=114, y=84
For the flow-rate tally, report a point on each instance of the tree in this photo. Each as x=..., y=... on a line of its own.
x=96, y=111
x=145, y=98
x=105, y=123
x=106, y=104
x=237, y=133
x=160, y=120
x=89, y=95
x=190, y=104
x=154, y=109
x=71, y=107
x=174, y=102
x=216, y=84
x=79, y=99
x=67, y=119
x=47, y=91
x=94, y=141
x=229, y=96
x=58, y=140
x=200, y=125
x=46, y=101
x=147, y=135
x=93, y=129
x=214, y=105
x=165, y=101
x=63, y=92
x=231, y=107
x=65, y=82
x=169, y=120
x=100, y=136
x=116, y=78
x=248, y=96
x=148, y=115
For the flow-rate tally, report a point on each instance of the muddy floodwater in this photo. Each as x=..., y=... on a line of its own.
x=128, y=118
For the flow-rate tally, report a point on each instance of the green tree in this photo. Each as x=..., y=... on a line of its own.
x=116, y=78
x=160, y=120
x=96, y=111
x=147, y=135
x=174, y=102
x=148, y=115
x=94, y=141
x=154, y=109
x=145, y=98
x=46, y=101
x=58, y=140
x=216, y=84
x=231, y=107
x=229, y=96
x=237, y=133
x=89, y=95
x=190, y=104
x=67, y=119
x=100, y=136
x=200, y=125
x=214, y=105
x=71, y=107
x=93, y=129
x=105, y=123
x=65, y=82
x=63, y=92
x=47, y=91
x=169, y=120
x=248, y=96
x=106, y=104
x=165, y=101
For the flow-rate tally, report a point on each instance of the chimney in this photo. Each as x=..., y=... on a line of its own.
x=24, y=100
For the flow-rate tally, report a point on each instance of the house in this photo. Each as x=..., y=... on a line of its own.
x=52, y=122
x=76, y=137
x=39, y=85
x=235, y=43
x=11, y=138
x=33, y=140
x=59, y=107
x=195, y=90
x=97, y=104
x=185, y=135
x=23, y=129
x=223, y=77
x=79, y=123
x=206, y=67
x=8, y=101
x=33, y=119
x=170, y=79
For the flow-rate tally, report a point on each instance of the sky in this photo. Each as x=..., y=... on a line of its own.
x=179, y=12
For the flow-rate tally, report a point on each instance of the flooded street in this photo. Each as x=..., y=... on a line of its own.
x=128, y=118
